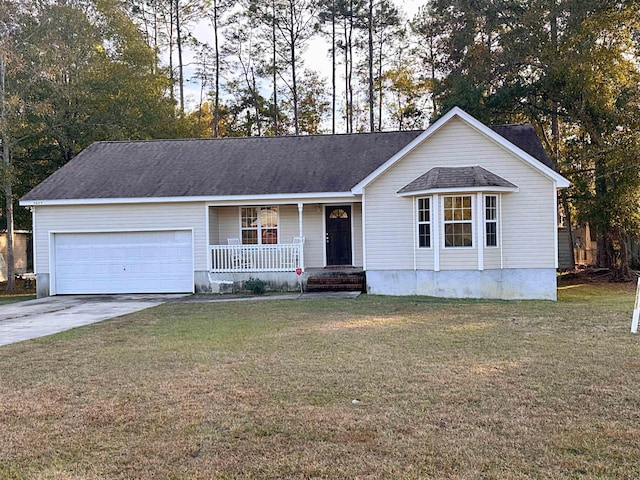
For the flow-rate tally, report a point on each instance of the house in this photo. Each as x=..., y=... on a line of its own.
x=457, y=210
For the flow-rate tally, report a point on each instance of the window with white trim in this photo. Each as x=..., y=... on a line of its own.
x=491, y=220
x=458, y=221
x=424, y=222
x=259, y=225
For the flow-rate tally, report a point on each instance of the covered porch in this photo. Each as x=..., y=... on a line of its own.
x=283, y=237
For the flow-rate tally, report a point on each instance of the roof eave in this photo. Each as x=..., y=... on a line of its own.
x=270, y=198
x=484, y=189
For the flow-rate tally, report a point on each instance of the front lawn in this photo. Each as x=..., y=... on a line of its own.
x=7, y=298
x=369, y=388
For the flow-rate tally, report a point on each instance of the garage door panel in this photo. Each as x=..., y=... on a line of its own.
x=124, y=262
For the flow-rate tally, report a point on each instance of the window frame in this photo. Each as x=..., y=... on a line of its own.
x=260, y=229
x=428, y=223
x=463, y=221
x=494, y=221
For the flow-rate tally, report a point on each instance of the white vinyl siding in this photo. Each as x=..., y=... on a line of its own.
x=229, y=226
x=528, y=217
x=214, y=227
x=113, y=218
x=312, y=225
x=356, y=214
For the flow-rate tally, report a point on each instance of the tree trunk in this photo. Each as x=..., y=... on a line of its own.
x=172, y=77
x=380, y=91
x=256, y=105
x=432, y=56
x=216, y=102
x=350, y=75
x=8, y=193
x=294, y=86
x=275, y=71
x=8, y=187
x=346, y=76
x=333, y=66
x=180, y=66
x=372, y=124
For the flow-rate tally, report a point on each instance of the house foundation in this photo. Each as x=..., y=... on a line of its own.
x=507, y=284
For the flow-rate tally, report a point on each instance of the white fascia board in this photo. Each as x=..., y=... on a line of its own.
x=320, y=197
x=558, y=179
x=430, y=191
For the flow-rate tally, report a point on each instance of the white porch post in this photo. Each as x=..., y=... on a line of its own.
x=300, y=234
x=435, y=231
x=480, y=229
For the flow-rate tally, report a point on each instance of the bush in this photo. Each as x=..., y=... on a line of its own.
x=255, y=285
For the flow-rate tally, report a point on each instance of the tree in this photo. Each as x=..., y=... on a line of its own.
x=569, y=64
x=314, y=103
x=75, y=72
x=244, y=48
x=382, y=24
x=296, y=21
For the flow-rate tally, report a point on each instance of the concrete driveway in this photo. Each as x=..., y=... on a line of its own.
x=45, y=316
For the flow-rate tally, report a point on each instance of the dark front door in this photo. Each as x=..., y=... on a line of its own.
x=338, y=222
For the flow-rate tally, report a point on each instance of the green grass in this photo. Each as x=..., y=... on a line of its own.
x=6, y=299
x=446, y=389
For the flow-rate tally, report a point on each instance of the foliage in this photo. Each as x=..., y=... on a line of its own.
x=255, y=285
x=569, y=67
x=79, y=72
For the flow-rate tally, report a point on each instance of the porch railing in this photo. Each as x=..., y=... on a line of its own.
x=285, y=257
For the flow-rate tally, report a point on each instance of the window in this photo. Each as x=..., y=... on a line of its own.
x=458, y=221
x=259, y=225
x=424, y=222
x=491, y=220
x=338, y=213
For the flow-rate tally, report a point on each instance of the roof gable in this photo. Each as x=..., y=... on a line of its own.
x=520, y=134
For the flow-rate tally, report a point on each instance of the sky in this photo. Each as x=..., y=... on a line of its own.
x=316, y=56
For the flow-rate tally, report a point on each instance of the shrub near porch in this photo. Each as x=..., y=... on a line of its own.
x=444, y=389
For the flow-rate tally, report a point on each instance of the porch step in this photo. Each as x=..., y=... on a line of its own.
x=336, y=282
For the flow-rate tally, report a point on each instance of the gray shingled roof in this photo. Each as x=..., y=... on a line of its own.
x=220, y=167
x=525, y=137
x=234, y=166
x=456, y=177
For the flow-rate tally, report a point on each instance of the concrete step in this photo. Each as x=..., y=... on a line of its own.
x=336, y=282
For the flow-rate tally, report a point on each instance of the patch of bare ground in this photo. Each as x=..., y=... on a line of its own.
x=370, y=388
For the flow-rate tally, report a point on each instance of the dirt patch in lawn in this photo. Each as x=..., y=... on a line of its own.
x=593, y=276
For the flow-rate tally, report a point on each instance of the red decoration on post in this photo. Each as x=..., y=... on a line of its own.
x=298, y=271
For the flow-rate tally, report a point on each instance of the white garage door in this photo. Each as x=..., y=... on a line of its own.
x=123, y=262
